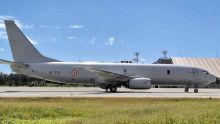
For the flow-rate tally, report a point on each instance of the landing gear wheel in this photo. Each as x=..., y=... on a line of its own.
x=196, y=90
x=113, y=89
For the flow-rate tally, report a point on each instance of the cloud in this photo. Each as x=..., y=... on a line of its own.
x=2, y=49
x=3, y=35
x=32, y=41
x=142, y=60
x=43, y=26
x=17, y=22
x=76, y=26
x=110, y=42
x=56, y=27
x=122, y=41
x=59, y=27
x=71, y=38
x=2, y=18
x=28, y=26
x=54, y=39
x=2, y=25
x=53, y=27
x=93, y=40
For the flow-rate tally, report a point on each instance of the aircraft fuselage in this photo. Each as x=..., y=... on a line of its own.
x=160, y=74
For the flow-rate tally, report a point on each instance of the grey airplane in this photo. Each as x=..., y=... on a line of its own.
x=109, y=76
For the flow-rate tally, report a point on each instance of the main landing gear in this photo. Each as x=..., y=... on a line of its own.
x=187, y=88
x=111, y=88
x=195, y=89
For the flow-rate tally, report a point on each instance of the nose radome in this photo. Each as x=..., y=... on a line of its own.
x=212, y=78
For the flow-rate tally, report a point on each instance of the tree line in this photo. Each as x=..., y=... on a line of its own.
x=23, y=80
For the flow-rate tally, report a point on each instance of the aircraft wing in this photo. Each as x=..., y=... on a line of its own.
x=107, y=75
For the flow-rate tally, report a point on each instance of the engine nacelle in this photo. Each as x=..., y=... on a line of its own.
x=139, y=83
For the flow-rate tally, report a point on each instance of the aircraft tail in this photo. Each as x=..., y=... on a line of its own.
x=21, y=47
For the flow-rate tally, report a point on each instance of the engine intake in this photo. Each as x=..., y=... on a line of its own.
x=139, y=83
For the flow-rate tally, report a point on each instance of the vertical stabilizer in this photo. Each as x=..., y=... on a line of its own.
x=21, y=47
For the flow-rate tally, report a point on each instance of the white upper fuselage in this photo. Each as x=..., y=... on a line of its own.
x=160, y=74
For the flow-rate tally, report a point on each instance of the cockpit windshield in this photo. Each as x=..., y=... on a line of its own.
x=205, y=72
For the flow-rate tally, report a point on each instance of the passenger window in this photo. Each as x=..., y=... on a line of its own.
x=168, y=72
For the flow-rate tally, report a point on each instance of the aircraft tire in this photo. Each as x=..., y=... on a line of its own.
x=196, y=90
x=113, y=89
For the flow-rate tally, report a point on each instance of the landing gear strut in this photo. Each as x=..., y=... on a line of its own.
x=196, y=89
x=187, y=88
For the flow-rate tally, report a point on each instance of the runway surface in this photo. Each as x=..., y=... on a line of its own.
x=97, y=92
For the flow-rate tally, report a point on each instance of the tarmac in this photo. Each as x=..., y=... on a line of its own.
x=97, y=92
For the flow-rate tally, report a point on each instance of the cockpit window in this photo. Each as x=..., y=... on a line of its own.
x=205, y=72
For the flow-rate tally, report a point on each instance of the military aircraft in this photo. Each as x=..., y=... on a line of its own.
x=109, y=76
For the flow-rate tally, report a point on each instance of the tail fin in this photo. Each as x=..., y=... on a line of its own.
x=21, y=47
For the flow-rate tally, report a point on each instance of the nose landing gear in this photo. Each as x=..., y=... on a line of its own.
x=195, y=89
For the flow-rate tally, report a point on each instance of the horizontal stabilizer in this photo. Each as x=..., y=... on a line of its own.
x=14, y=64
x=6, y=62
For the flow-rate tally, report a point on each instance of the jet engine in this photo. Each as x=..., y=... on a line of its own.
x=139, y=83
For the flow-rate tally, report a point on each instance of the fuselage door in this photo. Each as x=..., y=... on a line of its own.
x=195, y=73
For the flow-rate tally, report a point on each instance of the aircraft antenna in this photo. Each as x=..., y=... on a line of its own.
x=136, y=58
x=164, y=52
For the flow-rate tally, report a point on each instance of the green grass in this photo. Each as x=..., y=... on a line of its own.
x=109, y=111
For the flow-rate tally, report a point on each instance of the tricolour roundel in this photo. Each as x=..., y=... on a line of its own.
x=74, y=73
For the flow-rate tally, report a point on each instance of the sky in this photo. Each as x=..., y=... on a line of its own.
x=112, y=30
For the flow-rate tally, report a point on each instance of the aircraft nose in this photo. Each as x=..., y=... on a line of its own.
x=212, y=78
